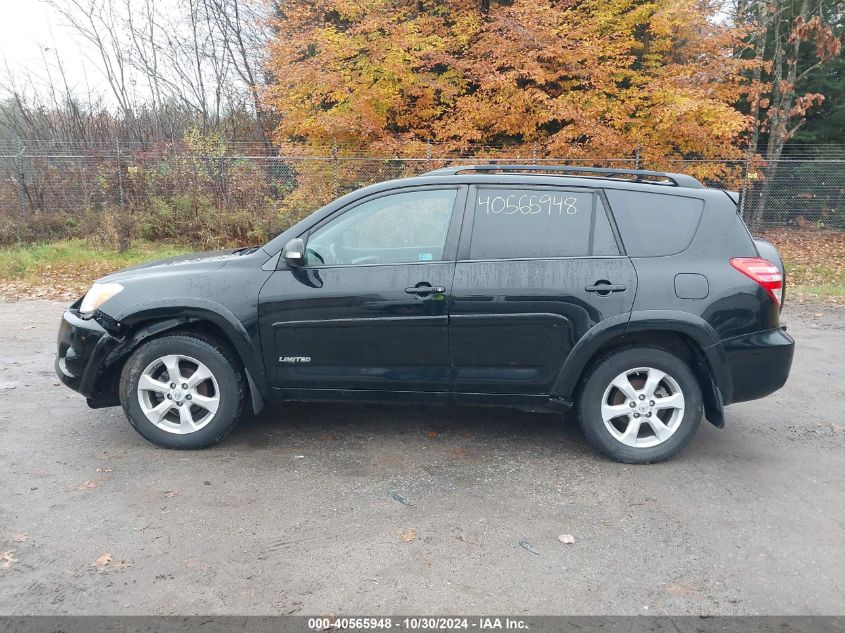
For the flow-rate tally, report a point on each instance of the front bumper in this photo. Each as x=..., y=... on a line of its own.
x=83, y=347
x=759, y=363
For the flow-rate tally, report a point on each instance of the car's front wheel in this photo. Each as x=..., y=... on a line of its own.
x=180, y=391
x=640, y=405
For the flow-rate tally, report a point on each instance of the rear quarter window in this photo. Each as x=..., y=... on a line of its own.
x=654, y=224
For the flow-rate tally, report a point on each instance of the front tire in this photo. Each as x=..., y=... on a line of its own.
x=640, y=405
x=180, y=391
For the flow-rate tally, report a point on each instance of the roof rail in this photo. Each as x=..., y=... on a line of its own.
x=642, y=175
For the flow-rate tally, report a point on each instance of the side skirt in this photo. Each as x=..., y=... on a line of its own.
x=530, y=402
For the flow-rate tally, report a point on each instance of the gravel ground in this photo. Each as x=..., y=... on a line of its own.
x=307, y=509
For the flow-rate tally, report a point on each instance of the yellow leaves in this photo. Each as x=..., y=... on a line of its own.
x=605, y=75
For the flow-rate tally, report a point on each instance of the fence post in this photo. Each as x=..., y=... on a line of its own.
x=428, y=155
x=637, y=158
x=334, y=166
x=21, y=179
x=120, y=193
x=744, y=193
x=223, y=175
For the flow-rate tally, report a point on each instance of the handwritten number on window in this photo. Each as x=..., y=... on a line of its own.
x=528, y=204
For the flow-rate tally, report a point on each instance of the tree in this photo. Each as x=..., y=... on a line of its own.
x=203, y=55
x=824, y=123
x=794, y=43
x=794, y=40
x=595, y=78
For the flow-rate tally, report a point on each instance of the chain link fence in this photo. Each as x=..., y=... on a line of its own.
x=245, y=194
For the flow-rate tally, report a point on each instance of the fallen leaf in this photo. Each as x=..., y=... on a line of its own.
x=431, y=434
x=568, y=539
x=89, y=485
x=20, y=537
x=406, y=536
x=170, y=493
x=681, y=590
x=7, y=558
x=328, y=437
x=104, y=470
x=102, y=561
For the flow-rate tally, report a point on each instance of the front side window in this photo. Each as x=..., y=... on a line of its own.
x=393, y=229
x=538, y=223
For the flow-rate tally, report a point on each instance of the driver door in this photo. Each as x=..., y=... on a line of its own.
x=368, y=309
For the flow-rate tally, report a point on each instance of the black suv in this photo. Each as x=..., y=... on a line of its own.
x=637, y=297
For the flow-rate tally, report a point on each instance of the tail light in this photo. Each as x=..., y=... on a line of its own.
x=763, y=272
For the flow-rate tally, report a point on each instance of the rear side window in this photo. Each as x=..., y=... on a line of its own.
x=510, y=223
x=653, y=224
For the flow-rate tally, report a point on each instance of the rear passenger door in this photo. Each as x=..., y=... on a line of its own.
x=537, y=268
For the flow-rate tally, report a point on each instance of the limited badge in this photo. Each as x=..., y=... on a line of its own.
x=294, y=360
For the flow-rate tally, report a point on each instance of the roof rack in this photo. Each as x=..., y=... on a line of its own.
x=641, y=175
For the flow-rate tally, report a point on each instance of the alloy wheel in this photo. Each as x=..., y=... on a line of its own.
x=178, y=394
x=642, y=407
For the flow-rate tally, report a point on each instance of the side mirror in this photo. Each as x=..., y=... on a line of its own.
x=294, y=253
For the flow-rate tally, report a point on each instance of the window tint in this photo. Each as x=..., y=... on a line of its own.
x=513, y=223
x=393, y=229
x=653, y=224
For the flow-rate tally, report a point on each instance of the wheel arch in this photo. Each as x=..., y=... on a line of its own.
x=208, y=322
x=695, y=343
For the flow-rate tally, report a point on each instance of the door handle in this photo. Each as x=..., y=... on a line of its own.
x=425, y=289
x=604, y=287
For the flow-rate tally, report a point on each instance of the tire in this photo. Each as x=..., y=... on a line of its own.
x=664, y=429
x=191, y=418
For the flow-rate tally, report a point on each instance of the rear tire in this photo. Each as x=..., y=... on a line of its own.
x=180, y=391
x=640, y=405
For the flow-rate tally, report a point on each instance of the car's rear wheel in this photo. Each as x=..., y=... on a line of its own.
x=180, y=391
x=640, y=405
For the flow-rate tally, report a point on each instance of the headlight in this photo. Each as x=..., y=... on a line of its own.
x=97, y=296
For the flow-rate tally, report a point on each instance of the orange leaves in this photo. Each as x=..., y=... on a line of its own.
x=828, y=45
x=591, y=78
x=804, y=103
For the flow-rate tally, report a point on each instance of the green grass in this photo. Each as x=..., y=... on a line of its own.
x=820, y=291
x=64, y=259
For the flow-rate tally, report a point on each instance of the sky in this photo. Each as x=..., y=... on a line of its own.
x=31, y=30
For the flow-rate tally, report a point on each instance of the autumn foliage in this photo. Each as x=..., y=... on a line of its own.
x=593, y=78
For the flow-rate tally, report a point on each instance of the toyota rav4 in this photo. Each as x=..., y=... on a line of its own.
x=638, y=298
